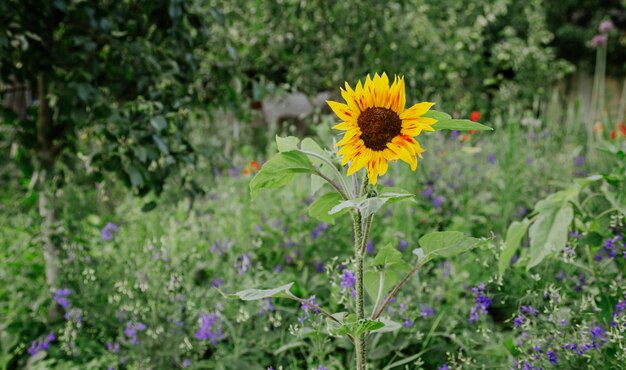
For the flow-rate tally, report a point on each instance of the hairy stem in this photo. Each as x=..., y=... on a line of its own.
x=360, y=238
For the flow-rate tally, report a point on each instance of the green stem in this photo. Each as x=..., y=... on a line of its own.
x=360, y=239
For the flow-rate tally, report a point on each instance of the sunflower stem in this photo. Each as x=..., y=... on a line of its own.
x=360, y=239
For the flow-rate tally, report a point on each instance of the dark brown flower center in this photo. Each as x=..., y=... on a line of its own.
x=378, y=126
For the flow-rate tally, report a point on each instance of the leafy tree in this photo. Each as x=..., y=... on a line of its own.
x=111, y=82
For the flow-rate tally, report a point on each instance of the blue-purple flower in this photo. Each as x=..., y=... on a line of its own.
x=41, y=345
x=348, y=279
x=60, y=296
x=131, y=330
x=243, y=263
x=210, y=327
x=109, y=230
x=427, y=311
x=481, y=303
x=322, y=226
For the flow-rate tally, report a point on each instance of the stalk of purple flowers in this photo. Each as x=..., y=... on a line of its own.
x=210, y=327
x=481, y=303
x=41, y=345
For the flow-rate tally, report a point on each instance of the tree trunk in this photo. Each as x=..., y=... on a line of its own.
x=47, y=206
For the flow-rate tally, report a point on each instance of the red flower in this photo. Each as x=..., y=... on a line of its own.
x=474, y=116
x=255, y=166
x=613, y=134
x=622, y=128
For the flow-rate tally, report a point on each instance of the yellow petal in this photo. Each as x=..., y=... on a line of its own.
x=416, y=110
x=359, y=162
x=383, y=165
x=342, y=111
x=349, y=97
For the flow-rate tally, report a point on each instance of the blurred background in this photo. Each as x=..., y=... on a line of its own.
x=130, y=130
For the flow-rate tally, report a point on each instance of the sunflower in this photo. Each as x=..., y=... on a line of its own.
x=377, y=127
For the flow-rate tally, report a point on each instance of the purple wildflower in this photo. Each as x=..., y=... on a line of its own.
x=408, y=323
x=186, y=363
x=307, y=307
x=131, y=330
x=113, y=347
x=402, y=245
x=319, y=266
x=606, y=26
x=579, y=160
x=599, y=40
x=438, y=201
x=551, y=357
x=443, y=367
x=60, y=296
x=427, y=311
x=518, y=320
x=530, y=310
x=454, y=134
x=41, y=345
x=369, y=247
x=318, y=229
x=210, y=327
x=348, y=279
x=491, y=158
x=243, y=263
x=109, y=230
x=428, y=192
x=266, y=305
x=529, y=160
x=481, y=303
x=74, y=313
x=217, y=282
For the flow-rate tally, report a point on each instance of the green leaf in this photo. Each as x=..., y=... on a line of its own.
x=514, y=236
x=448, y=244
x=149, y=206
x=256, y=294
x=439, y=116
x=388, y=269
x=460, y=125
x=310, y=145
x=388, y=256
x=390, y=326
x=279, y=170
x=322, y=205
x=369, y=206
x=356, y=328
x=158, y=122
x=548, y=233
x=287, y=144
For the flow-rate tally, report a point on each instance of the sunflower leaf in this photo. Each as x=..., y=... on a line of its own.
x=280, y=170
x=460, y=125
x=439, y=116
x=514, y=236
x=256, y=294
x=287, y=144
x=322, y=205
x=448, y=244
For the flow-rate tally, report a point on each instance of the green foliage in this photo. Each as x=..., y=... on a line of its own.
x=256, y=294
x=119, y=82
x=514, y=236
x=448, y=244
x=280, y=170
